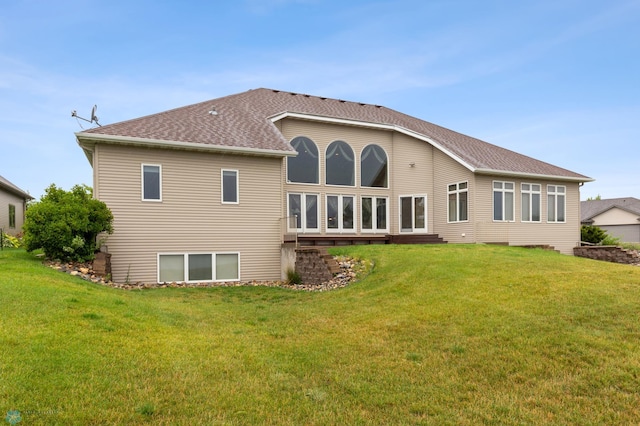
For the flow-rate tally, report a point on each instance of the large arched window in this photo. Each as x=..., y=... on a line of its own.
x=340, y=168
x=373, y=167
x=303, y=168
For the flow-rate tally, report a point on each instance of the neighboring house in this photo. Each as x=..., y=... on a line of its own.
x=13, y=204
x=620, y=217
x=209, y=191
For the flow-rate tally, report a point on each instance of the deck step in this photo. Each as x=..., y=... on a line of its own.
x=349, y=240
x=417, y=239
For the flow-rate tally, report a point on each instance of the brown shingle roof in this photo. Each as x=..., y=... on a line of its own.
x=592, y=208
x=244, y=121
x=8, y=186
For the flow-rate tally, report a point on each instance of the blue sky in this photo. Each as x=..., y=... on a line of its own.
x=558, y=80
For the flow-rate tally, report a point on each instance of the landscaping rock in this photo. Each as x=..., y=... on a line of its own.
x=350, y=270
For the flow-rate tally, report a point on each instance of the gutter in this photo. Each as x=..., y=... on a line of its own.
x=533, y=175
x=87, y=141
x=419, y=136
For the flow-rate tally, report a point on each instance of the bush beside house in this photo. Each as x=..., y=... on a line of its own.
x=66, y=224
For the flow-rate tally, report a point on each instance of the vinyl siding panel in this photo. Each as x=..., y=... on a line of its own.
x=413, y=174
x=626, y=233
x=191, y=216
x=401, y=150
x=447, y=172
x=322, y=135
x=562, y=236
x=7, y=198
x=615, y=216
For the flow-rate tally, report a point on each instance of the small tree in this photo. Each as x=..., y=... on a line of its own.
x=65, y=224
x=595, y=235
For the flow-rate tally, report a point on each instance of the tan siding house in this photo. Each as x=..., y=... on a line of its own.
x=13, y=204
x=207, y=192
x=620, y=217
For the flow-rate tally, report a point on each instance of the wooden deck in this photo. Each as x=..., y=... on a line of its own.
x=350, y=240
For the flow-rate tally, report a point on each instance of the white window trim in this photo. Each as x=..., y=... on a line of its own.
x=12, y=209
x=237, y=186
x=457, y=192
x=153, y=200
x=530, y=192
x=375, y=188
x=186, y=265
x=340, y=229
x=303, y=212
x=414, y=230
x=214, y=265
x=555, y=194
x=493, y=201
x=286, y=165
x=374, y=215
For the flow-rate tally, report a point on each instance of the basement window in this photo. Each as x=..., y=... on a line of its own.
x=198, y=267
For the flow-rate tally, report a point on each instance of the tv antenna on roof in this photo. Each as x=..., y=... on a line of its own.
x=94, y=118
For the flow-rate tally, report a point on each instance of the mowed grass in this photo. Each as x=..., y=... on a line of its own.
x=442, y=334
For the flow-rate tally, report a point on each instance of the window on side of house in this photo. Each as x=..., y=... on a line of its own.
x=304, y=167
x=413, y=213
x=503, y=201
x=531, y=198
x=227, y=266
x=171, y=268
x=304, y=207
x=375, y=211
x=12, y=216
x=458, y=205
x=340, y=213
x=151, y=182
x=556, y=203
x=230, y=187
x=340, y=164
x=200, y=267
x=373, y=167
x=195, y=267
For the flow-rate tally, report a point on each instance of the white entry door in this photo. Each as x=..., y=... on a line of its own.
x=413, y=213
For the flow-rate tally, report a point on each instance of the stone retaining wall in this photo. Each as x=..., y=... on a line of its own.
x=315, y=265
x=608, y=253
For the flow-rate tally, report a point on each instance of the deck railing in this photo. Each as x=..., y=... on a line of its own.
x=289, y=229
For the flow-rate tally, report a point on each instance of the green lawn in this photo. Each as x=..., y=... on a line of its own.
x=442, y=334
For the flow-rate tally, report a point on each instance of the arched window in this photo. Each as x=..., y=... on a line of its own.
x=373, y=167
x=340, y=164
x=303, y=168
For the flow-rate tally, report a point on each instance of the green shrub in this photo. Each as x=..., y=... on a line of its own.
x=293, y=277
x=595, y=235
x=592, y=234
x=65, y=224
x=610, y=241
x=631, y=246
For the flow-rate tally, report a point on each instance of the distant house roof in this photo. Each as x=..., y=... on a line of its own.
x=592, y=208
x=244, y=122
x=10, y=187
